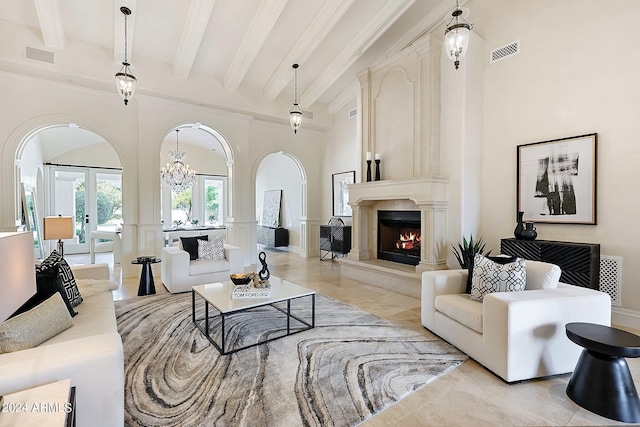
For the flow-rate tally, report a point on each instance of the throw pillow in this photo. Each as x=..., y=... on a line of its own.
x=489, y=276
x=213, y=250
x=500, y=259
x=68, y=283
x=35, y=326
x=542, y=275
x=48, y=281
x=190, y=244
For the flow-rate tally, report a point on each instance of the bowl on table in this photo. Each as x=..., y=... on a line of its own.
x=240, y=278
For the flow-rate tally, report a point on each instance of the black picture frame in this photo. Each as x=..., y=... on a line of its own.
x=557, y=180
x=340, y=192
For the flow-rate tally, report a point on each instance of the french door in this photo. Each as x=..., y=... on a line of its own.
x=93, y=196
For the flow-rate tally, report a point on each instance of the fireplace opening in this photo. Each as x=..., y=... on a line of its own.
x=399, y=236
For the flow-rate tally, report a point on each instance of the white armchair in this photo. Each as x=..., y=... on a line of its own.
x=516, y=335
x=180, y=274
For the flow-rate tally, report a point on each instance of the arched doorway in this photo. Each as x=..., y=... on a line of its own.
x=70, y=170
x=207, y=202
x=284, y=173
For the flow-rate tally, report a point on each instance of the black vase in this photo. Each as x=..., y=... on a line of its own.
x=517, y=233
x=529, y=232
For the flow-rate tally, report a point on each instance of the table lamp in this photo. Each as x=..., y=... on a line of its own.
x=58, y=227
x=17, y=264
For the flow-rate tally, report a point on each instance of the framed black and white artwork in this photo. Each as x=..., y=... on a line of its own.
x=557, y=180
x=271, y=208
x=340, y=184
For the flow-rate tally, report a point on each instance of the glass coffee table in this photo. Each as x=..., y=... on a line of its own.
x=251, y=321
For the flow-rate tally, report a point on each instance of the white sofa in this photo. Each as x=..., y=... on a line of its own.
x=516, y=335
x=89, y=353
x=180, y=274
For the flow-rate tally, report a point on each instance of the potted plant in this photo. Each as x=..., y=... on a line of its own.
x=466, y=250
x=194, y=222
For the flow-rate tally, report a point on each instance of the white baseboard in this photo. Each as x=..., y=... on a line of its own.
x=625, y=317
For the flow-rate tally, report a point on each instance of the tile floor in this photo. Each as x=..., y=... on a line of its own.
x=467, y=396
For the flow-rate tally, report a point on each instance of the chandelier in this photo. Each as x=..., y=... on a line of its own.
x=456, y=36
x=125, y=80
x=295, y=115
x=177, y=175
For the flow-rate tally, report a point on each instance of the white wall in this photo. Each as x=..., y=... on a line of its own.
x=136, y=133
x=340, y=155
x=576, y=73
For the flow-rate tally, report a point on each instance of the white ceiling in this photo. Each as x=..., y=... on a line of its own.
x=230, y=54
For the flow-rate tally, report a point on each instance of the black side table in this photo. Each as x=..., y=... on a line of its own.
x=601, y=381
x=147, y=287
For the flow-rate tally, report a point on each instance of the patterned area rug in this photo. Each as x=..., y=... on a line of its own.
x=350, y=367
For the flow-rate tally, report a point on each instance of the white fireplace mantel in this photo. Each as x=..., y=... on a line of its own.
x=429, y=196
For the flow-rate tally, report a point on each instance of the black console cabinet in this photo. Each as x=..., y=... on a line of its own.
x=273, y=237
x=580, y=262
x=335, y=240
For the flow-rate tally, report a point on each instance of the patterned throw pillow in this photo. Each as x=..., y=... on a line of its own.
x=489, y=276
x=213, y=250
x=56, y=267
x=69, y=283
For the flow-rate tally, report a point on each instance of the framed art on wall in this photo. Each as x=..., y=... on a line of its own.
x=340, y=185
x=557, y=180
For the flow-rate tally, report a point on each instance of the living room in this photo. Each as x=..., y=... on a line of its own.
x=572, y=76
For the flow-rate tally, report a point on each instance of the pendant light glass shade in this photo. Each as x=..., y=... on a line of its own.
x=295, y=118
x=177, y=175
x=295, y=114
x=456, y=37
x=125, y=80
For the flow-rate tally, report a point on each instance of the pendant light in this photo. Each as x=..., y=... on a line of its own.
x=456, y=36
x=178, y=176
x=125, y=80
x=295, y=115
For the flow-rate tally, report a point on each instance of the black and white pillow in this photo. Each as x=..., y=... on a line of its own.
x=490, y=276
x=211, y=250
x=49, y=281
x=69, y=283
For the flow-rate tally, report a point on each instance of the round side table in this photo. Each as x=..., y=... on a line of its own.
x=601, y=381
x=146, y=287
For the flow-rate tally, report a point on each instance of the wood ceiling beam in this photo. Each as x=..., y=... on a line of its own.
x=192, y=33
x=50, y=19
x=257, y=34
x=380, y=23
x=322, y=24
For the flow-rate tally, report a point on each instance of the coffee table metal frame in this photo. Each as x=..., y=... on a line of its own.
x=241, y=305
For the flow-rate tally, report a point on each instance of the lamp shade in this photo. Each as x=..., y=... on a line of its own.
x=58, y=227
x=17, y=264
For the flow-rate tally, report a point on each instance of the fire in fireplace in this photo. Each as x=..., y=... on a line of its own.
x=399, y=236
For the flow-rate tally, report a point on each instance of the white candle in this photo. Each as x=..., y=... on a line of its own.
x=377, y=156
x=368, y=155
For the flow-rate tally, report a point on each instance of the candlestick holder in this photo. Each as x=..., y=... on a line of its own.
x=377, y=169
x=368, y=170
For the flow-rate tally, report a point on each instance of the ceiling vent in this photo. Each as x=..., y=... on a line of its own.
x=307, y=115
x=504, y=52
x=39, y=55
x=353, y=113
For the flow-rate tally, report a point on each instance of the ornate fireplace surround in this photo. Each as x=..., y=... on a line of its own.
x=399, y=118
x=427, y=195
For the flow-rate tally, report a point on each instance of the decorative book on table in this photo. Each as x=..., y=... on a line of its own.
x=249, y=291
